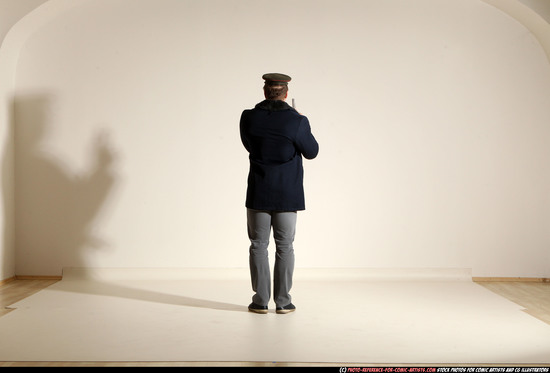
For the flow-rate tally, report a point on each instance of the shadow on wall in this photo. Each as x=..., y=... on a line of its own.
x=54, y=209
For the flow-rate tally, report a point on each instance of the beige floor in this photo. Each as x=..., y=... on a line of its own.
x=396, y=318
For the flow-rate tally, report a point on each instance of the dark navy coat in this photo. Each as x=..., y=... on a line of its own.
x=276, y=137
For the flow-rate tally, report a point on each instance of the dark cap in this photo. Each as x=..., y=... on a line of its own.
x=276, y=79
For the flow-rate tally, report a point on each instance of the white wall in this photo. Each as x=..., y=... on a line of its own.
x=11, y=11
x=432, y=118
x=7, y=245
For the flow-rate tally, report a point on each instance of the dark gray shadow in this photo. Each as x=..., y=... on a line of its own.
x=120, y=291
x=55, y=209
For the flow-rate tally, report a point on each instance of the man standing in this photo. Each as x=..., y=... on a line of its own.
x=276, y=137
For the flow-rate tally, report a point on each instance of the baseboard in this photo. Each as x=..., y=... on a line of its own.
x=342, y=274
x=474, y=279
x=18, y=277
x=7, y=280
x=510, y=279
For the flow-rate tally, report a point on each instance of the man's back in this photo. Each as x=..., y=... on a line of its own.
x=276, y=136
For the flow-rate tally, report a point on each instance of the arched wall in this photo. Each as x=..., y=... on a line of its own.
x=432, y=119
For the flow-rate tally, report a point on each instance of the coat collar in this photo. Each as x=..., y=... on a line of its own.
x=274, y=105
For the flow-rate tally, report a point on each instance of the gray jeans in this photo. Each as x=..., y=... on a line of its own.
x=259, y=231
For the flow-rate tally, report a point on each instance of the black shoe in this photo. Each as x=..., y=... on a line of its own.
x=257, y=308
x=286, y=309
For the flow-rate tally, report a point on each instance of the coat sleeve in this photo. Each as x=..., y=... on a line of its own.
x=242, y=130
x=305, y=141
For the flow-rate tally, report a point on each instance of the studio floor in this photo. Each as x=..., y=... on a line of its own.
x=200, y=317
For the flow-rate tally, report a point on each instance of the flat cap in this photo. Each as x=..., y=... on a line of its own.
x=276, y=78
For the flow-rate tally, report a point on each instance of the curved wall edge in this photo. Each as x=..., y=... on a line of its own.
x=528, y=17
